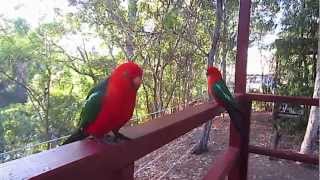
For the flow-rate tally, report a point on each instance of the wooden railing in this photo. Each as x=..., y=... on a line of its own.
x=280, y=153
x=233, y=162
x=284, y=99
x=89, y=159
x=284, y=154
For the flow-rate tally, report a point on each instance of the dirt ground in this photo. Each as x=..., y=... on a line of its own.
x=174, y=160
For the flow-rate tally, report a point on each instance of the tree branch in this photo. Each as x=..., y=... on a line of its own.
x=216, y=33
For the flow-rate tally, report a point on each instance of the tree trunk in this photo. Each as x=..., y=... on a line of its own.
x=19, y=95
x=275, y=138
x=308, y=144
x=2, y=143
x=146, y=94
x=21, y=74
x=132, y=12
x=225, y=46
x=47, y=106
x=216, y=33
x=274, y=141
x=203, y=144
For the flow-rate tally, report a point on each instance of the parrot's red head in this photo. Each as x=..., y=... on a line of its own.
x=128, y=75
x=213, y=75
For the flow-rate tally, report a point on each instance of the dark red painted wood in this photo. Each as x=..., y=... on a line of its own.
x=242, y=46
x=239, y=172
x=126, y=173
x=284, y=154
x=89, y=159
x=222, y=164
x=241, y=168
x=285, y=99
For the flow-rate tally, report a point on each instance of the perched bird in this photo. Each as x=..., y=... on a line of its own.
x=219, y=91
x=110, y=104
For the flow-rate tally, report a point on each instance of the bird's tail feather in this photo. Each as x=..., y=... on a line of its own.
x=237, y=118
x=76, y=136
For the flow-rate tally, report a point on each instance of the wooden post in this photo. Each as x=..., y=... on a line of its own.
x=239, y=172
x=242, y=46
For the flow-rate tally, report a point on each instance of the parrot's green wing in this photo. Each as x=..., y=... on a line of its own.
x=92, y=104
x=222, y=92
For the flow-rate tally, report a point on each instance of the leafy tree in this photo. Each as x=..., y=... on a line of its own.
x=296, y=59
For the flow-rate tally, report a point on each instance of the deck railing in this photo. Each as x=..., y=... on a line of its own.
x=234, y=161
x=88, y=159
x=91, y=159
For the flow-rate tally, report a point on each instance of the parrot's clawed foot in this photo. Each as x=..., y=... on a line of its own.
x=91, y=138
x=108, y=139
x=118, y=137
x=96, y=139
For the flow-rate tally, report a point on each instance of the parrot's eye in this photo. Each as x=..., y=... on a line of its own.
x=207, y=74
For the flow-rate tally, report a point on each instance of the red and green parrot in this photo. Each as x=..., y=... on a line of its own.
x=110, y=104
x=219, y=91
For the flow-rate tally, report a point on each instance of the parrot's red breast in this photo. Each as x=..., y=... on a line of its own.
x=213, y=76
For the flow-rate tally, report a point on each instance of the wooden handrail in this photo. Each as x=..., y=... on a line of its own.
x=285, y=99
x=89, y=159
x=284, y=154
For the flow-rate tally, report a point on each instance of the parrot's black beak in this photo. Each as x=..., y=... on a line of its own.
x=137, y=82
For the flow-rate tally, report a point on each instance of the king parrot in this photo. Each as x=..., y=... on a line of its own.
x=110, y=104
x=218, y=89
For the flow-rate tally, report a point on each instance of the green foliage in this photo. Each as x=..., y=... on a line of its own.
x=21, y=26
x=296, y=50
x=264, y=17
x=170, y=20
x=64, y=113
x=296, y=54
x=19, y=126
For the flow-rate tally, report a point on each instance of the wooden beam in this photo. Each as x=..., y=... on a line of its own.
x=284, y=154
x=285, y=99
x=239, y=172
x=242, y=46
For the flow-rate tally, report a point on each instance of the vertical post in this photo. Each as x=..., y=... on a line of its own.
x=242, y=46
x=239, y=172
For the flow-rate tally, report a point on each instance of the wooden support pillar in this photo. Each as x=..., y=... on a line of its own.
x=242, y=46
x=239, y=172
